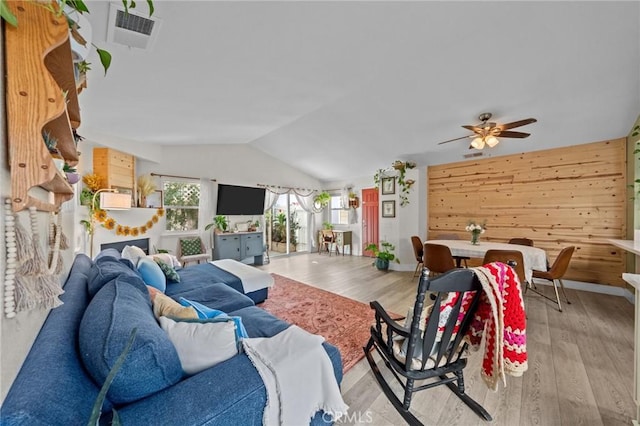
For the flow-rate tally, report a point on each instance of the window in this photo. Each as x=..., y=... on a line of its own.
x=338, y=215
x=181, y=202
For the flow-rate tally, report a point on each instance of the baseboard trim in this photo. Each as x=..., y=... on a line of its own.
x=574, y=285
x=595, y=288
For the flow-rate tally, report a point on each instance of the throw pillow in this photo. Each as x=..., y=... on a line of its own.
x=133, y=253
x=163, y=305
x=167, y=258
x=152, y=274
x=205, y=312
x=168, y=271
x=151, y=365
x=201, y=344
x=190, y=246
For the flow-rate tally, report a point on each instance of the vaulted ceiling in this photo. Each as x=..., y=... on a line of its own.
x=340, y=89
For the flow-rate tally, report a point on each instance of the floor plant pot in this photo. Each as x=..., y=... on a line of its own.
x=382, y=264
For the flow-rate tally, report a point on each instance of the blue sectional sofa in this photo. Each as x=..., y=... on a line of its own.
x=80, y=340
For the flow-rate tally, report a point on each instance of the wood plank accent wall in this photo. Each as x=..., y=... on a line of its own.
x=558, y=197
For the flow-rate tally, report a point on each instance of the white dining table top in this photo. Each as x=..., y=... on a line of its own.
x=534, y=258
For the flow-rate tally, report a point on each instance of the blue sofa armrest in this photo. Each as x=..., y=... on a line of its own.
x=230, y=393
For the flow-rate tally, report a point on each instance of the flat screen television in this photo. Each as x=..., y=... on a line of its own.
x=240, y=200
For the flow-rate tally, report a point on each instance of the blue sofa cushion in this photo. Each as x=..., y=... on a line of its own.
x=151, y=365
x=105, y=269
x=214, y=295
x=260, y=323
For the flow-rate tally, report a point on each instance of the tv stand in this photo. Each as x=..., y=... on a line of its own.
x=239, y=246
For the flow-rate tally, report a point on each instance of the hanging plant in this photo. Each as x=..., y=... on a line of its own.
x=377, y=177
x=322, y=200
x=405, y=185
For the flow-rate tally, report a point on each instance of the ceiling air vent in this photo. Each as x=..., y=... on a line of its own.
x=132, y=29
x=473, y=154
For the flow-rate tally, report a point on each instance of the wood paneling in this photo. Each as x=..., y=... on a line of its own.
x=559, y=197
x=117, y=168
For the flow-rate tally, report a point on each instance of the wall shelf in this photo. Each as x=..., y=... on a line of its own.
x=41, y=96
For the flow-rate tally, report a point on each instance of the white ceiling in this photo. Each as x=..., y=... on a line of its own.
x=341, y=89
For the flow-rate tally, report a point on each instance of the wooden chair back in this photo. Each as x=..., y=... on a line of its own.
x=512, y=258
x=437, y=258
x=418, y=249
x=521, y=241
x=560, y=265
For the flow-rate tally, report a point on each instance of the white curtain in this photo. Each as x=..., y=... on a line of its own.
x=307, y=204
x=353, y=213
x=205, y=210
x=344, y=198
x=271, y=197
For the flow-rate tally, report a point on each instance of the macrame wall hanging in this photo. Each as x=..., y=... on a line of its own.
x=32, y=278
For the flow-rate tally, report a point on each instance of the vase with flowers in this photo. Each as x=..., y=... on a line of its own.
x=475, y=229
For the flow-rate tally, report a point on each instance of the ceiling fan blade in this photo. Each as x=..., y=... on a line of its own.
x=509, y=134
x=456, y=139
x=518, y=123
x=473, y=128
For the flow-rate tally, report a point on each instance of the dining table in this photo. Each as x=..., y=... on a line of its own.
x=534, y=258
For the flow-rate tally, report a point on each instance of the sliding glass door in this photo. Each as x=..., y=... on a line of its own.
x=289, y=231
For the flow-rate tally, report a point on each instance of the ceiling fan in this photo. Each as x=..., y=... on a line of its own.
x=487, y=133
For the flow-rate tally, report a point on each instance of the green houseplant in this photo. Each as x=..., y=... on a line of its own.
x=383, y=254
x=220, y=222
x=321, y=200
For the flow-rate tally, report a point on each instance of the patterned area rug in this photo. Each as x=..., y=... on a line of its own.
x=343, y=322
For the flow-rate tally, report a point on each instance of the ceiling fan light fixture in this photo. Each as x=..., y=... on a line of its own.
x=491, y=141
x=478, y=143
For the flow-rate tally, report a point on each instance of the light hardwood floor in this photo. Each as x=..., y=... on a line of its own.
x=580, y=360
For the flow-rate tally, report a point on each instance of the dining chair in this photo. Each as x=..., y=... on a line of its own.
x=328, y=241
x=191, y=249
x=418, y=251
x=555, y=274
x=458, y=259
x=512, y=258
x=521, y=241
x=437, y=258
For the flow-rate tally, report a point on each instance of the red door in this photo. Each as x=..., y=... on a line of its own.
x=369, y=219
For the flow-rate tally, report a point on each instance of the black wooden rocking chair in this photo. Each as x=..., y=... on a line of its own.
x=435, y=355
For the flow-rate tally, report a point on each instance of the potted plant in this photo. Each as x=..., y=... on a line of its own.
x=72, y=174
x=383, y=254
x=146, y=187
x=327, y=225
x=220, y=222
x=321, y=200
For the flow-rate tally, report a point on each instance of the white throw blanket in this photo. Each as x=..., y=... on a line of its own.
x=298, y=376
x=252, y=278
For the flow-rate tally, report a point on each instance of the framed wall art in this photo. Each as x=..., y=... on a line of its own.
x=388, y=185
x=389, y=208
x=155, y=200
